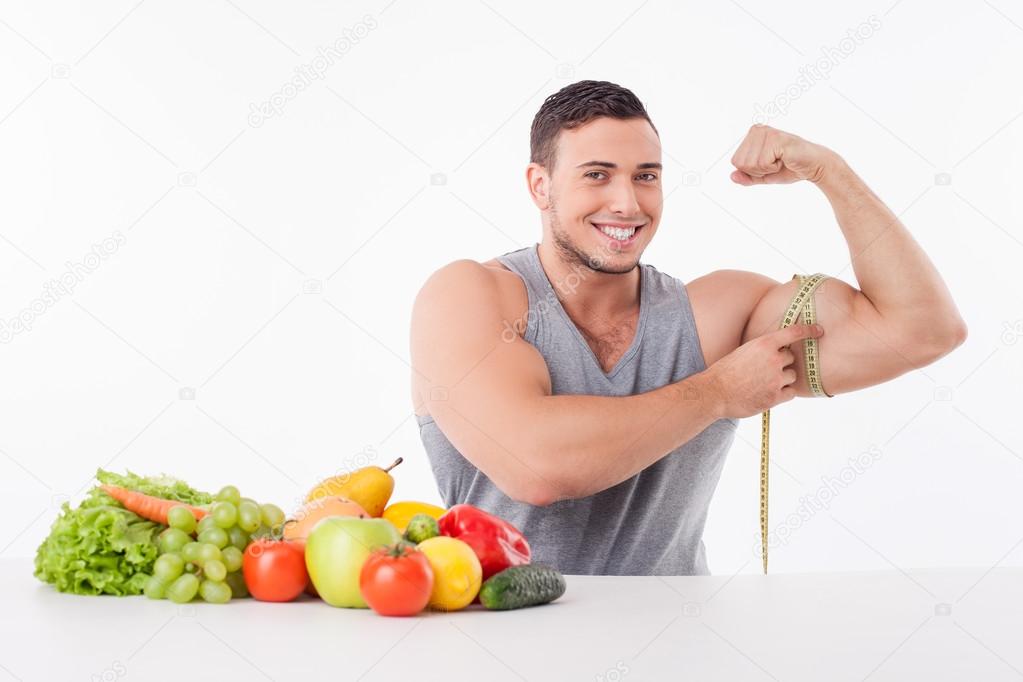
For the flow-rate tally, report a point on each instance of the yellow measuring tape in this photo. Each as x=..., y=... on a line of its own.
x=802, y=303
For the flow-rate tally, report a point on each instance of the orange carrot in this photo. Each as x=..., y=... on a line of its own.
x=147, y=506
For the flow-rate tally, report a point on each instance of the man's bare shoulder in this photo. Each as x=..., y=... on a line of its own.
x=456, y=275
x=466, y=271
x=723, y=301
x=465, y=285
x=462, y=312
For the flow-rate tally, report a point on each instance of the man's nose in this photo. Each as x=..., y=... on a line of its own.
x=623, y=198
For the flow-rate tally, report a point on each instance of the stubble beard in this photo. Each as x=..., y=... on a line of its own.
x=575, y=257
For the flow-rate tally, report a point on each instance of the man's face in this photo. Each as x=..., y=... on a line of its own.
x=620, y=192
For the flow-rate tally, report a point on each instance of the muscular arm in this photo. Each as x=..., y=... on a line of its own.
x=490, y=393
x=902, y=318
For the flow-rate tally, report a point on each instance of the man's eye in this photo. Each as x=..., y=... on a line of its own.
x=647, y=176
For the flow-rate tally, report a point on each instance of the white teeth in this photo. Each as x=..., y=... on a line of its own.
x=619, y=233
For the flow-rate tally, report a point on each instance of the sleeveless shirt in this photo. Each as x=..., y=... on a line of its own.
x=649, y=524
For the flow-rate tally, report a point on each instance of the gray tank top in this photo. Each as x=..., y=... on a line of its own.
x=650, y=524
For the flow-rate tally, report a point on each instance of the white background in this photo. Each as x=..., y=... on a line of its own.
x=271, y=269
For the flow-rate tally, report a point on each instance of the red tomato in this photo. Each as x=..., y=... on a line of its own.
x=310, y=589
x=396, y=581
x=274, y=570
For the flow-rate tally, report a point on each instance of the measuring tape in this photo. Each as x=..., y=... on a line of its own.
x=802, y=303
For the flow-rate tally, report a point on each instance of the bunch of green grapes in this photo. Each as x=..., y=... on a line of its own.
x=205, y=558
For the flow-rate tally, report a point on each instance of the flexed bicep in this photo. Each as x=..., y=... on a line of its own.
x=859, y=348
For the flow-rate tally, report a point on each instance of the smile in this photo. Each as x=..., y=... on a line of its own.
x=618, y=234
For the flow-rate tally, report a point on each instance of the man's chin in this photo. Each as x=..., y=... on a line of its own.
x=614, y=266
x=597, y=257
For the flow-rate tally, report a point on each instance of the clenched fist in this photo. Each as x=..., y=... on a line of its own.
x=758, y=375
x=771, y=156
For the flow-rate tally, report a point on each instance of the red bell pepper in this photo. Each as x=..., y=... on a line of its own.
x=497, y=543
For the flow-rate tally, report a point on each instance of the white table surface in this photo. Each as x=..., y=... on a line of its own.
x=924, y=625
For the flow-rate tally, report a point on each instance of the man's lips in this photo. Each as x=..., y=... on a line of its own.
x=615, y=242
x=622, y=225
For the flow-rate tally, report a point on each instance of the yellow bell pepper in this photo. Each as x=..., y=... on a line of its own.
x=400, y=513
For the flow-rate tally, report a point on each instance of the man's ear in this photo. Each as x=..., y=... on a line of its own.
x=539, y=184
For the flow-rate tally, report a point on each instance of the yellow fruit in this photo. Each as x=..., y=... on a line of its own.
x=370, y=486
x=400, y=513
x=457, y=573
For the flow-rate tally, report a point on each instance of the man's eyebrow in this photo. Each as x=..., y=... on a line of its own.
x=608, y=164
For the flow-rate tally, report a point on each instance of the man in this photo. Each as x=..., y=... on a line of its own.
x=590, y=399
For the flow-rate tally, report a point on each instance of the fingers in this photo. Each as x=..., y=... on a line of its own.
x=750, y=158
x=744, y=179
x=752, y=165
x=789, y=375
x=759, y=158
x=797, y=332
x=769, y=161
x=755, y=158
x=749, y=149
x=763, y=159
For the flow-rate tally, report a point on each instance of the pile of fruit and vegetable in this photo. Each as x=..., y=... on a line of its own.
x=346, y=545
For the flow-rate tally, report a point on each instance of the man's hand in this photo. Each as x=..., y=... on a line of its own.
x=771, y=156
x=759, y=374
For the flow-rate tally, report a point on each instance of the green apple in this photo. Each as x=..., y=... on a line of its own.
x=337, y=548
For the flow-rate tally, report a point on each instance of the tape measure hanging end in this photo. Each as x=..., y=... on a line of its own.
x=801, y=305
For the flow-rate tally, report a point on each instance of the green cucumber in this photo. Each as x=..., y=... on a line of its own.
x=521, y=586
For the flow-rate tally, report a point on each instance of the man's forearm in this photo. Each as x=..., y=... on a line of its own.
x=590, y=443
x=892, y=270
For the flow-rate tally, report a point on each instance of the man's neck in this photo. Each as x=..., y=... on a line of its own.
x=587, y=294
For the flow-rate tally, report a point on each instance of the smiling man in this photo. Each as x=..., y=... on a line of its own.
x=589, y=398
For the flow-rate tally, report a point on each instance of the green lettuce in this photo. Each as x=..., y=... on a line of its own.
x=102, y=548
x=158, y=486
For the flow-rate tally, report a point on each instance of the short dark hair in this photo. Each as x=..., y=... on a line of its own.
x=575, y=105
